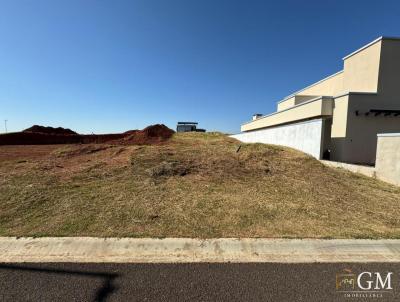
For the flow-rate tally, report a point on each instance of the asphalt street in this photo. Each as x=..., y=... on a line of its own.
x=186, y=282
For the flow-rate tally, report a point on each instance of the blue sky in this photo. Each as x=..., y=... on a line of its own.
x=109, y=66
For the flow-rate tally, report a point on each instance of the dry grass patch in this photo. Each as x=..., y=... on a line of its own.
x=196, y=185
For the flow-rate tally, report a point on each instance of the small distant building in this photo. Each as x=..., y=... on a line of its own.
x=188, y=127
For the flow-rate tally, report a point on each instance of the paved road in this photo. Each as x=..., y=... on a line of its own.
x=183, y=282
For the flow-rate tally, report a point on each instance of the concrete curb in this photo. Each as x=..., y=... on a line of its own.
x=180, y=250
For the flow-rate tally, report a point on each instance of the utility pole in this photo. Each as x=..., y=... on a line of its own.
x=5, y=124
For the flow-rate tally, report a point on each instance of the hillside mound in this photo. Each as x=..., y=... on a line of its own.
x=49, y=130
x=192, y=185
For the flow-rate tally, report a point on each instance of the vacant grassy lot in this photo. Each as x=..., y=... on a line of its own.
x=195, y=185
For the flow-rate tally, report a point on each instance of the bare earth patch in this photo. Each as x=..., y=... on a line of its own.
x=194, y=185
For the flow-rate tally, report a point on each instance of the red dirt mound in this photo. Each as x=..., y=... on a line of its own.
x=49, y=130
x=150, y=135
x=39, y=135
x=33, y=138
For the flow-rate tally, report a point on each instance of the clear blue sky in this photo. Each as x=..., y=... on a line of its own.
x=112, y=65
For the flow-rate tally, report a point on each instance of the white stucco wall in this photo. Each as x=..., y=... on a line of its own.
x=388, y=158
x=304, y=136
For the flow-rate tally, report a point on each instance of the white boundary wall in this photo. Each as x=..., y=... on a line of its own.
x=388, y=158
x=304, y=136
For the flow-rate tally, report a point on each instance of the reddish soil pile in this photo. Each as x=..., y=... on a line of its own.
x=100, y=138
x=49, y=130
x=32, y=138
x=39, y=135
x=150, y=135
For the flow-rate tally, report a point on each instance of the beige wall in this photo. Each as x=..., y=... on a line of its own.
x=389, y=73
x=339, y=128
x=370, y=80
x=355, y=137
x=298, y=99
x=320, y=107
x=286, y=104
x=361, y=70
x=295, y=100
x=329, y=87
x=339, y=121
x=360, y=74
x=388, y=159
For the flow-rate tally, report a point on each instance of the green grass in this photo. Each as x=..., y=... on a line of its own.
x=196, y=185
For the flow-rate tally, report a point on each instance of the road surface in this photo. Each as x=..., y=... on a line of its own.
x=184, y=282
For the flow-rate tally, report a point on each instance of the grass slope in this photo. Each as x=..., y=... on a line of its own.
x=196, y=185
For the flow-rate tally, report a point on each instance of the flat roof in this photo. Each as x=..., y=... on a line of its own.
x=187, y=123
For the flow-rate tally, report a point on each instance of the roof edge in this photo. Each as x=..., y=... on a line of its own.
x=388, y=134
x=309, y=86
x=370, y=44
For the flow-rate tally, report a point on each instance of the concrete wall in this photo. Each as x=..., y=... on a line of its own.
x=304, y=136
x=365, y=170
x=388, y=158
x=387, y=167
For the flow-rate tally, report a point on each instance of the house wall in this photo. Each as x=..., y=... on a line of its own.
x=354, y=137
x=307, y=110
x=388, y=158
x=389, y=72
x=387, y=167
x=339, y=128
x=304, y=136
x=361, y=70
x=296, y=100
x=330, y=86
x=370, y=80
x=286, y=104
x=360, y=142
x=361, y=138
x=361, y=73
